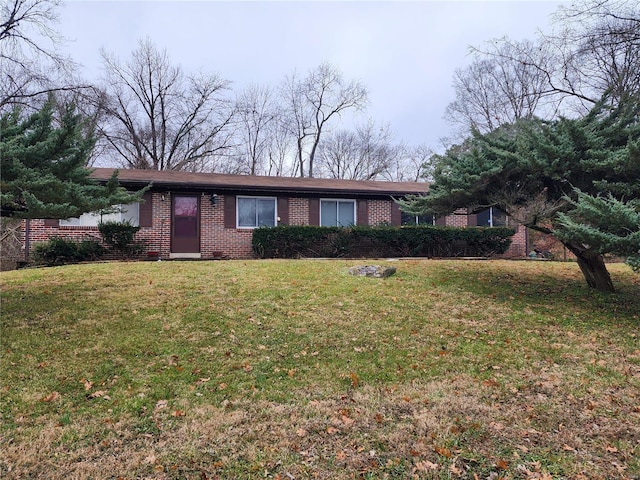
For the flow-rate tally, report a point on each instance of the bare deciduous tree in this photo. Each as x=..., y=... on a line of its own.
x=410, y=164
x=257, y=115
x=280, y=149
x=594, y=50
x=500, y=87
x=31, y=64
x=363, y=154
x=311, y=103
x=605, y=40
x=160, y=118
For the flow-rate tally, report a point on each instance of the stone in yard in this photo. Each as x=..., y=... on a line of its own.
x=377, y=271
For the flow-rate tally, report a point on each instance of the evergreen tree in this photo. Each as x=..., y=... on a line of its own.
x=576, y=179
x=43, y=167
x=606, y=224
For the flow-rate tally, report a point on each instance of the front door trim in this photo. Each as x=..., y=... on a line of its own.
x=185, y=226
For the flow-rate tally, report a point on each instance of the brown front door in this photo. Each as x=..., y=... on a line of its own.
x=185, y=224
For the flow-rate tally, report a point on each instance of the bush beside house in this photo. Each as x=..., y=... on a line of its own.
x=384, y=241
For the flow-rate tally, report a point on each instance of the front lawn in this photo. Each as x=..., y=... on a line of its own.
x=296, y=369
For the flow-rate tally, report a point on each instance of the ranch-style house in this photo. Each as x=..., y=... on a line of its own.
x=208, y=216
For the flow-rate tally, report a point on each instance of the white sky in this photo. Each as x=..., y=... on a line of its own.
x=405, y=52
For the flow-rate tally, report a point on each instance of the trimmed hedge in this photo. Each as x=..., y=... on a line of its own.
x=411, y=241
x=61, y=251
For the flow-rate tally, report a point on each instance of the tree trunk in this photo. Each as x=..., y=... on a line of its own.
x=593, y=268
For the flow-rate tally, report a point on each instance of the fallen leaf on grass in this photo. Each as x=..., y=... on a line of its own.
x=611, y=449
x=178, y=413
x=347, y=421
x=502, y=465
x=100, y=394
x=332, y=430
x=52, y=397
x=445, y=452
x=425, y=466
x=301, y=432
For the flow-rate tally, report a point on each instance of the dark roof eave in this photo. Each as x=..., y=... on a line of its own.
x=230, y=186
x=267, y=190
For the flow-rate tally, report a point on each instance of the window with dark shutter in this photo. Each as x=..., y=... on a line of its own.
x=51, y=222
x=314, y=211
x=362, y=218
x=146, y=210
x=283, y=210
x=229, y=211
x=396, y=214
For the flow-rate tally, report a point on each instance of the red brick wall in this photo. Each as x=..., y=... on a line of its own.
x=217, y=241
x=298, y=211
x=380, y=212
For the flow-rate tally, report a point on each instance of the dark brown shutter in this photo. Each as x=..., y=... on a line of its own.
x=472, y=220
x=314, y=211
x=363, y=213
x=229, y=211
x=396, y=214
x=283, y=210
x=146, y=210
x=51, y=222
x=441, y=220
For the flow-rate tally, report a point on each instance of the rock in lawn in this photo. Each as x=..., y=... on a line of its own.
x=377, y=271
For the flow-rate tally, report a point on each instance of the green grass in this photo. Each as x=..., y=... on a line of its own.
x=280, y=369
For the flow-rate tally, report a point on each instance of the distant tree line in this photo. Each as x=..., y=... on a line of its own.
x=148, y=112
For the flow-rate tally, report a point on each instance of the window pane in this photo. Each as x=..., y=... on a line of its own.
x=266, y=212
x=131, y=213
x=70, y=222
x=346, y=214
x=246, y=212
x=484, y=218
x=408, y=219
x=328, y=213
x=426, y=220
x=93, y=219
x=186, y=206
x=499, y=217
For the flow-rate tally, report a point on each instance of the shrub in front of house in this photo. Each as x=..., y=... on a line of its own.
x=120, y=238
x=383, y=241
x=61, y=251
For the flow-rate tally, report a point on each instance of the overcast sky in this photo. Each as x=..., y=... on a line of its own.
x=405, y=52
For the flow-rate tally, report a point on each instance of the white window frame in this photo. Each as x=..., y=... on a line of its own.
x=93, y=219
x=245, y=197
x=338, y=201
x=416, y=220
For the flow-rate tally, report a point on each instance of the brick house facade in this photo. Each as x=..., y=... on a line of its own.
x=207, y=216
